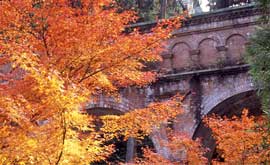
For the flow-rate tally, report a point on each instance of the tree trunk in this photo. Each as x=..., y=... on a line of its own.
x=163, y=6
x=131, y=149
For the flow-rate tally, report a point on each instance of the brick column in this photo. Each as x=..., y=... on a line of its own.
x=167, y=62
x=195, y=58
x=223, y=58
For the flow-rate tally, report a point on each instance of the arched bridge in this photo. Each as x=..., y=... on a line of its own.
x=204, y=59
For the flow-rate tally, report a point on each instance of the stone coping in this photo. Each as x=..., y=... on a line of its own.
x=209, y=17
x=211, y=71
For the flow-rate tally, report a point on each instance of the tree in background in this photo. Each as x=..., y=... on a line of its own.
x=258, y=56
x=55, y=54
x=150, y=10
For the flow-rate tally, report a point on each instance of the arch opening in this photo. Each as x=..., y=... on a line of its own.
x=208, y=52
x=125, y=149
x=230, y=107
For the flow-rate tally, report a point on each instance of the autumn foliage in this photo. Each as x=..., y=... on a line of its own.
x=241, y=140
x=183, y=150
x=55, y=55
x=143, y=122
x=140, y=122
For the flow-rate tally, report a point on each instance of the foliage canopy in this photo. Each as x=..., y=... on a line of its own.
x=55, y=54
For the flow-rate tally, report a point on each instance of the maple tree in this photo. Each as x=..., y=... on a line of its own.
x=241, y=140
x=58, y=54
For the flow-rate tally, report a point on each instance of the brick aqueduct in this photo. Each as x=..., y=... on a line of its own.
x=204, y=61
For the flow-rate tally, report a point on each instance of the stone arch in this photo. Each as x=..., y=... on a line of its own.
x=229, y=102
x=174, y=43
x=104, y=105
x=234, y=35
x=213, y=100
x=208, y=52
x=181, y=57
x=110, y=104
x=215, y=38
x=236, y=46
x=229, y=107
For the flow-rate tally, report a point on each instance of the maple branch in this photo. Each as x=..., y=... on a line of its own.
x=75, y=70
x=186, y=95
x=69, y=63
x=45, y=42
x=82, y=66
x=116, y=63
x=63, y=137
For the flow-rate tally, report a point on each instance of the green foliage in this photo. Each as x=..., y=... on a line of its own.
x=174, y=8
x=258, y=56
x=149, y=10
x=265, y=5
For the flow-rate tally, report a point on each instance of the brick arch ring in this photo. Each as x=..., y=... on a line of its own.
x=213, y=101
x=122, y=104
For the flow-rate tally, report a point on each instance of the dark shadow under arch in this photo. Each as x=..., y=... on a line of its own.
x=232, y=106
x=122, y=154
x=101, y=111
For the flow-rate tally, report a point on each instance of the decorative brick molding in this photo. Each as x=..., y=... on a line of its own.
x=222, y=48
x=194, y=52
x=167, y=55
x=224, y=14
